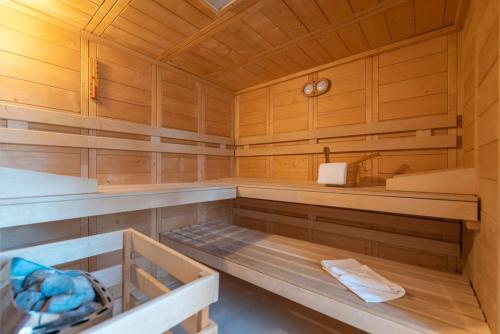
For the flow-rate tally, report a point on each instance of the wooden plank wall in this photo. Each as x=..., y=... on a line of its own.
x=44, y=66
x=411, y=83
x=478, y=45
x=404, y=84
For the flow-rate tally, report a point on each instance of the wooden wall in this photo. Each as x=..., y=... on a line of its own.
x=44, y=67
x=416, y=82
x=478, y=44
x=418, y=241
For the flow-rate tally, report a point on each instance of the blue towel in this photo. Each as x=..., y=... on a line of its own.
x=57, y=285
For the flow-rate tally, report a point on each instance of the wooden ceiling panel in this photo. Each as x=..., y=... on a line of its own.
x=77, y=13
x=354, y=38
x=316, y=52
x=152, y=25
x=335, y=10
x=335, y=47
x=401, y=21
x=375, y=30
x=309, y=13
x=299, y=55
x=429, y=15
x=187, y=12
x=361, y=5
x=249, y=41
x=265, y=27
x=281, y=15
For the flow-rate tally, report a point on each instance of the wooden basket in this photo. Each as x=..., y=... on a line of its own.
x=352, y=167
x=164, y=309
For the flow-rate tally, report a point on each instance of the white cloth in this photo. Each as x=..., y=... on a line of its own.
x=333, y=173
x=363, y=281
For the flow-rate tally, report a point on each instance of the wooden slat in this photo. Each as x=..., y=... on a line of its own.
x=43, y=138
x=39, y=115
x=403, y=143
x=68, y=250
x=431, y=122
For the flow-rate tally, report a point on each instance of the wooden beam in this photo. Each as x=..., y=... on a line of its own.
x=392, y=144
x=44, y=138
x=422, y=123
x=228, y=16
x=463, y=8
x=105, y=15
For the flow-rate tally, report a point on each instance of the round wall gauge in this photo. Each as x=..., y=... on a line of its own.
x=308, y=89
x=322, y=85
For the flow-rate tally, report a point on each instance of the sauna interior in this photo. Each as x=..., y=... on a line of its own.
x=175, y=150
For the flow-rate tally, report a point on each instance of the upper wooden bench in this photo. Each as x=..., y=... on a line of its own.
x=373, y=198
x=435, y=302
x=78, y=197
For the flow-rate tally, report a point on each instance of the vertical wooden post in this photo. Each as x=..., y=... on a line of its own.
x=202, y=317
x=126, y=265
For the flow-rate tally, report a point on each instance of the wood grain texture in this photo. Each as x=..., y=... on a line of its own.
x=479, y=86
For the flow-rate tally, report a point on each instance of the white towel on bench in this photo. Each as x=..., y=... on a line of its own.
x=363, y=281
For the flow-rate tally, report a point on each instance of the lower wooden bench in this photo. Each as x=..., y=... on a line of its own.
x=435, y=302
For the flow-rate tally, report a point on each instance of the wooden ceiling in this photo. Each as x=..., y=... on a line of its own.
x=250, y=41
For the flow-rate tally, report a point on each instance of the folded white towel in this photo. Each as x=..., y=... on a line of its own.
x=363, y=281
x=333, y=173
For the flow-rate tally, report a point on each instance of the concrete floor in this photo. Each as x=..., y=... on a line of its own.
x=247, y=309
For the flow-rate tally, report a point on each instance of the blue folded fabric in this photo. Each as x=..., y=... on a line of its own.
x=82, y=287
x=26, y=300
x=64, y=303
x=37, y=277
x=55, y=285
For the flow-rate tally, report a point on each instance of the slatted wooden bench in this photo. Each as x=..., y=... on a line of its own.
x=435, y=302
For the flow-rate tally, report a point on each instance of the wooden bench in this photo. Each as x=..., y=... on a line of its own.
x=368, y=198
x=435, y=302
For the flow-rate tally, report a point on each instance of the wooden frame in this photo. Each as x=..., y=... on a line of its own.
x=190, y=301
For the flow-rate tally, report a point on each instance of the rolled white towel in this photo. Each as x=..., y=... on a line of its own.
x=363, y=281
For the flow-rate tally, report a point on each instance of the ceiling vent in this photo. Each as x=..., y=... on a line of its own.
x=219, y=4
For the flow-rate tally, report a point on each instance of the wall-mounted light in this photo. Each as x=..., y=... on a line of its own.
x=316, y=87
